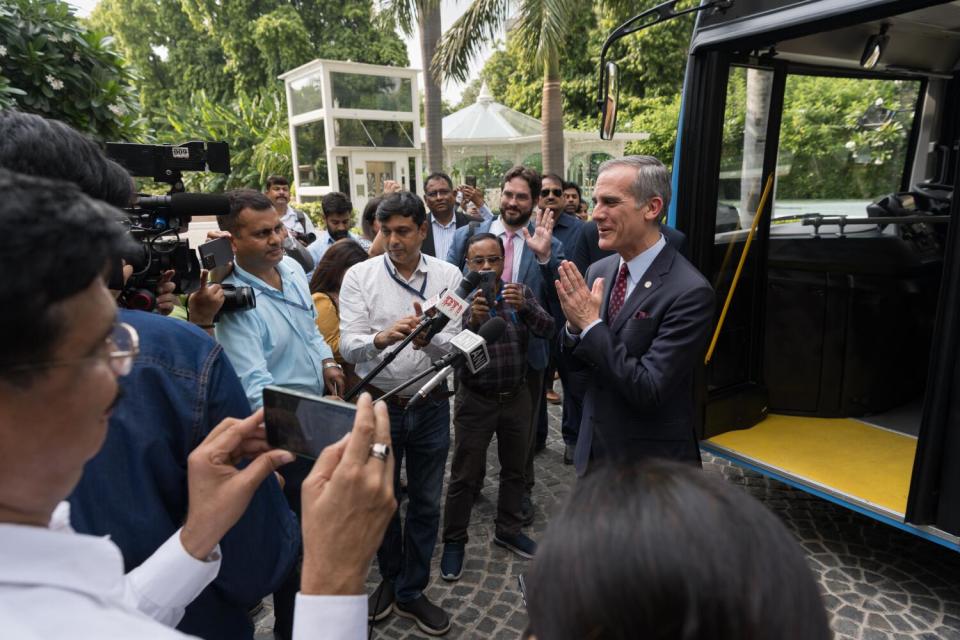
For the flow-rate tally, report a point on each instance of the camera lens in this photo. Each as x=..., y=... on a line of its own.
x=237, y=298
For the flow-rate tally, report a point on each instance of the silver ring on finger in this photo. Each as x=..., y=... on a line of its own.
x=380, y=451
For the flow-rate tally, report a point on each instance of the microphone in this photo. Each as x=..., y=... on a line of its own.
x=185, y=205
x=451, y=306
x=468, y=348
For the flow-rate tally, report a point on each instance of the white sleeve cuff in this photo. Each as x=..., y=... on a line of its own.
x=330, y=617
x=587, y=328
x=169, y=580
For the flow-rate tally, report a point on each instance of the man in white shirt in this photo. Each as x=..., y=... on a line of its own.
x=296, y=222
x=380, y=304
x=58, y=382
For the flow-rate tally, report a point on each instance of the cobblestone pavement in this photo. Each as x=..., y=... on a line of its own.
x=878, y=583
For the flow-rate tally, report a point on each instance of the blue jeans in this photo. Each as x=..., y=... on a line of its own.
x=423, y=436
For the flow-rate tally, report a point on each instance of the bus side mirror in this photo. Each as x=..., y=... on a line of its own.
x=607, y=104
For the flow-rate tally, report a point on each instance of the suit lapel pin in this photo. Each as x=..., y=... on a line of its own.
x=647, y=284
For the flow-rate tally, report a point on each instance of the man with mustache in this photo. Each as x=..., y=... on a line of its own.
x=531, y=256
x=338, y=218
x=298, y=224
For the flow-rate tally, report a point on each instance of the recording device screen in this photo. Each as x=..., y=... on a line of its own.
x=304, y=424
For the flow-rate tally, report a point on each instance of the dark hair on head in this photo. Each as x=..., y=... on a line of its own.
x=369, y=216
x=480, y=237
x=328, y=275
x=438, y=175
x=551, y=176
x=35, y=146
x=54, y=241
x=573, y=185
x=241, y=199
x=402, y=203
x=272, y=180
x=531, y=177
x=663, y=550
x=335, y=203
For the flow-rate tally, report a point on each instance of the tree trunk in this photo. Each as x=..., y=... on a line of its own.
x=551, y=116
x=759, y=86
x=429, y=22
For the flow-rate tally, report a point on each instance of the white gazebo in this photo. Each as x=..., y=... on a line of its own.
x=487, y=138
x=352, y=127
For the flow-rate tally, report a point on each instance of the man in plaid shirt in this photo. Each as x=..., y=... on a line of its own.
x=494, y=400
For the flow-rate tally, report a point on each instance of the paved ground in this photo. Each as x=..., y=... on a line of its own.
x=878, y=583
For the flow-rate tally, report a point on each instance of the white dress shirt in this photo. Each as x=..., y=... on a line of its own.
x=443, y=235
x=56, y=583
x=371, y=300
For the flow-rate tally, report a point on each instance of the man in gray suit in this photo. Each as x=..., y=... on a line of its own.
x=640, y=321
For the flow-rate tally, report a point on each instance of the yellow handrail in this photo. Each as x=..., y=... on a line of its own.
x=736, y=274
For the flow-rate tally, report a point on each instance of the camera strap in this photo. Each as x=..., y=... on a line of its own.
x=273, y=293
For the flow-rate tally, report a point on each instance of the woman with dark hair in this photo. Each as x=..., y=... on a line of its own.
x=368, y=221
x=325, y=287
x=664, y=551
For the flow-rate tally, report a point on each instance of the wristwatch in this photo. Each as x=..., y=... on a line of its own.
x=331, y=365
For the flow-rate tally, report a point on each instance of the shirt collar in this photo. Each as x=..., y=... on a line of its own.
x=451, y=224
x=497, y=228
x=641, y=262
x=421, y=267
x=282, y=268
x=59, y=558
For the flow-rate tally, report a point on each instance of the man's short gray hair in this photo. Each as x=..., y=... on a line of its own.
x=653, y=179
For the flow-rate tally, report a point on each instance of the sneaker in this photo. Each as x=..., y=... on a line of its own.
x=429, y=617
x=568, y=451
x=519, y=543
x=380, y=603
x=526, y=510
x=451, y=562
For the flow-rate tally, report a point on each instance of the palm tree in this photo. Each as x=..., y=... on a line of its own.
x=542, y=27
x=427, y=15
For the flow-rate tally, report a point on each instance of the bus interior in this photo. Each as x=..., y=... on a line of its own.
x=822, y=370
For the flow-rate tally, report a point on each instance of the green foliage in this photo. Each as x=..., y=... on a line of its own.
x=255, y=127
x=52, y=65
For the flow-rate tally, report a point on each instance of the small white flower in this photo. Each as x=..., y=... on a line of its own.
x=65, y=37
x=52, y=38
x=851, y=145
x=76, y=56
x=3, y=51
x=117, y=110
x=55, y=83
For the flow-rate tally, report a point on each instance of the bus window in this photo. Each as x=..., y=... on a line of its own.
x=843, y=145
x=746, y=114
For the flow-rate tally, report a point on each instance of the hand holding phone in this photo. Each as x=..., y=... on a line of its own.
x=305, y=424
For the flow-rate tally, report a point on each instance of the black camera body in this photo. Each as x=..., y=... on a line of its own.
x=156, y=222
x=237, y=298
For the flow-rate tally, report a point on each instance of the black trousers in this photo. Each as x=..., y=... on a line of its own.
x=537, y=404
x=477, y=416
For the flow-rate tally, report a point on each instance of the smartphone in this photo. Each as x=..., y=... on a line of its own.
x=303, y=423
x=488, y=285
x=216, y=253
x=471, y=181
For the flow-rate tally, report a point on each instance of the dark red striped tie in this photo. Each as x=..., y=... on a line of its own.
x=619, y=294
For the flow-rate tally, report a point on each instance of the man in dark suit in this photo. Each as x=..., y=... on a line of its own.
x=445, y=216
x=640, y=320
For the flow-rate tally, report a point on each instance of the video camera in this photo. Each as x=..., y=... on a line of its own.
x=156, y=222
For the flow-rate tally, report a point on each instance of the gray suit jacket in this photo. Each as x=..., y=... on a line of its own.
x=639, y=402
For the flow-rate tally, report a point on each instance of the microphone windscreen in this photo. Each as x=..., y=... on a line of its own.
x=200, y=204
x=492, y=329
x=470, y=282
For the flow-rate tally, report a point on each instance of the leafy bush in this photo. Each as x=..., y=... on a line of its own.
x=52, y=65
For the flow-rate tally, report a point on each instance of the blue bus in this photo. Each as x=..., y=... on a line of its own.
x=814, y=172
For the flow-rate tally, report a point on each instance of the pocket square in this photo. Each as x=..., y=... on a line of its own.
x=640, y=315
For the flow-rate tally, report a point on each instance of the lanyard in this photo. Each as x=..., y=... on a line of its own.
x=423, y=287
x=273, y=294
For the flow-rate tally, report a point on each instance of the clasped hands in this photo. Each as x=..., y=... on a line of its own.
x=580, y=304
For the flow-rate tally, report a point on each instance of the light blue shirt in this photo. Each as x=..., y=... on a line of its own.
x=443, y=235
x=323, y=242
x=636, y=268
x=277, y=342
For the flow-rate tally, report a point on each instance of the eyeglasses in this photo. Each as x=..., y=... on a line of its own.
x=547, y=192
x=439, y=193
x=491, y=260
x=122, y=347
